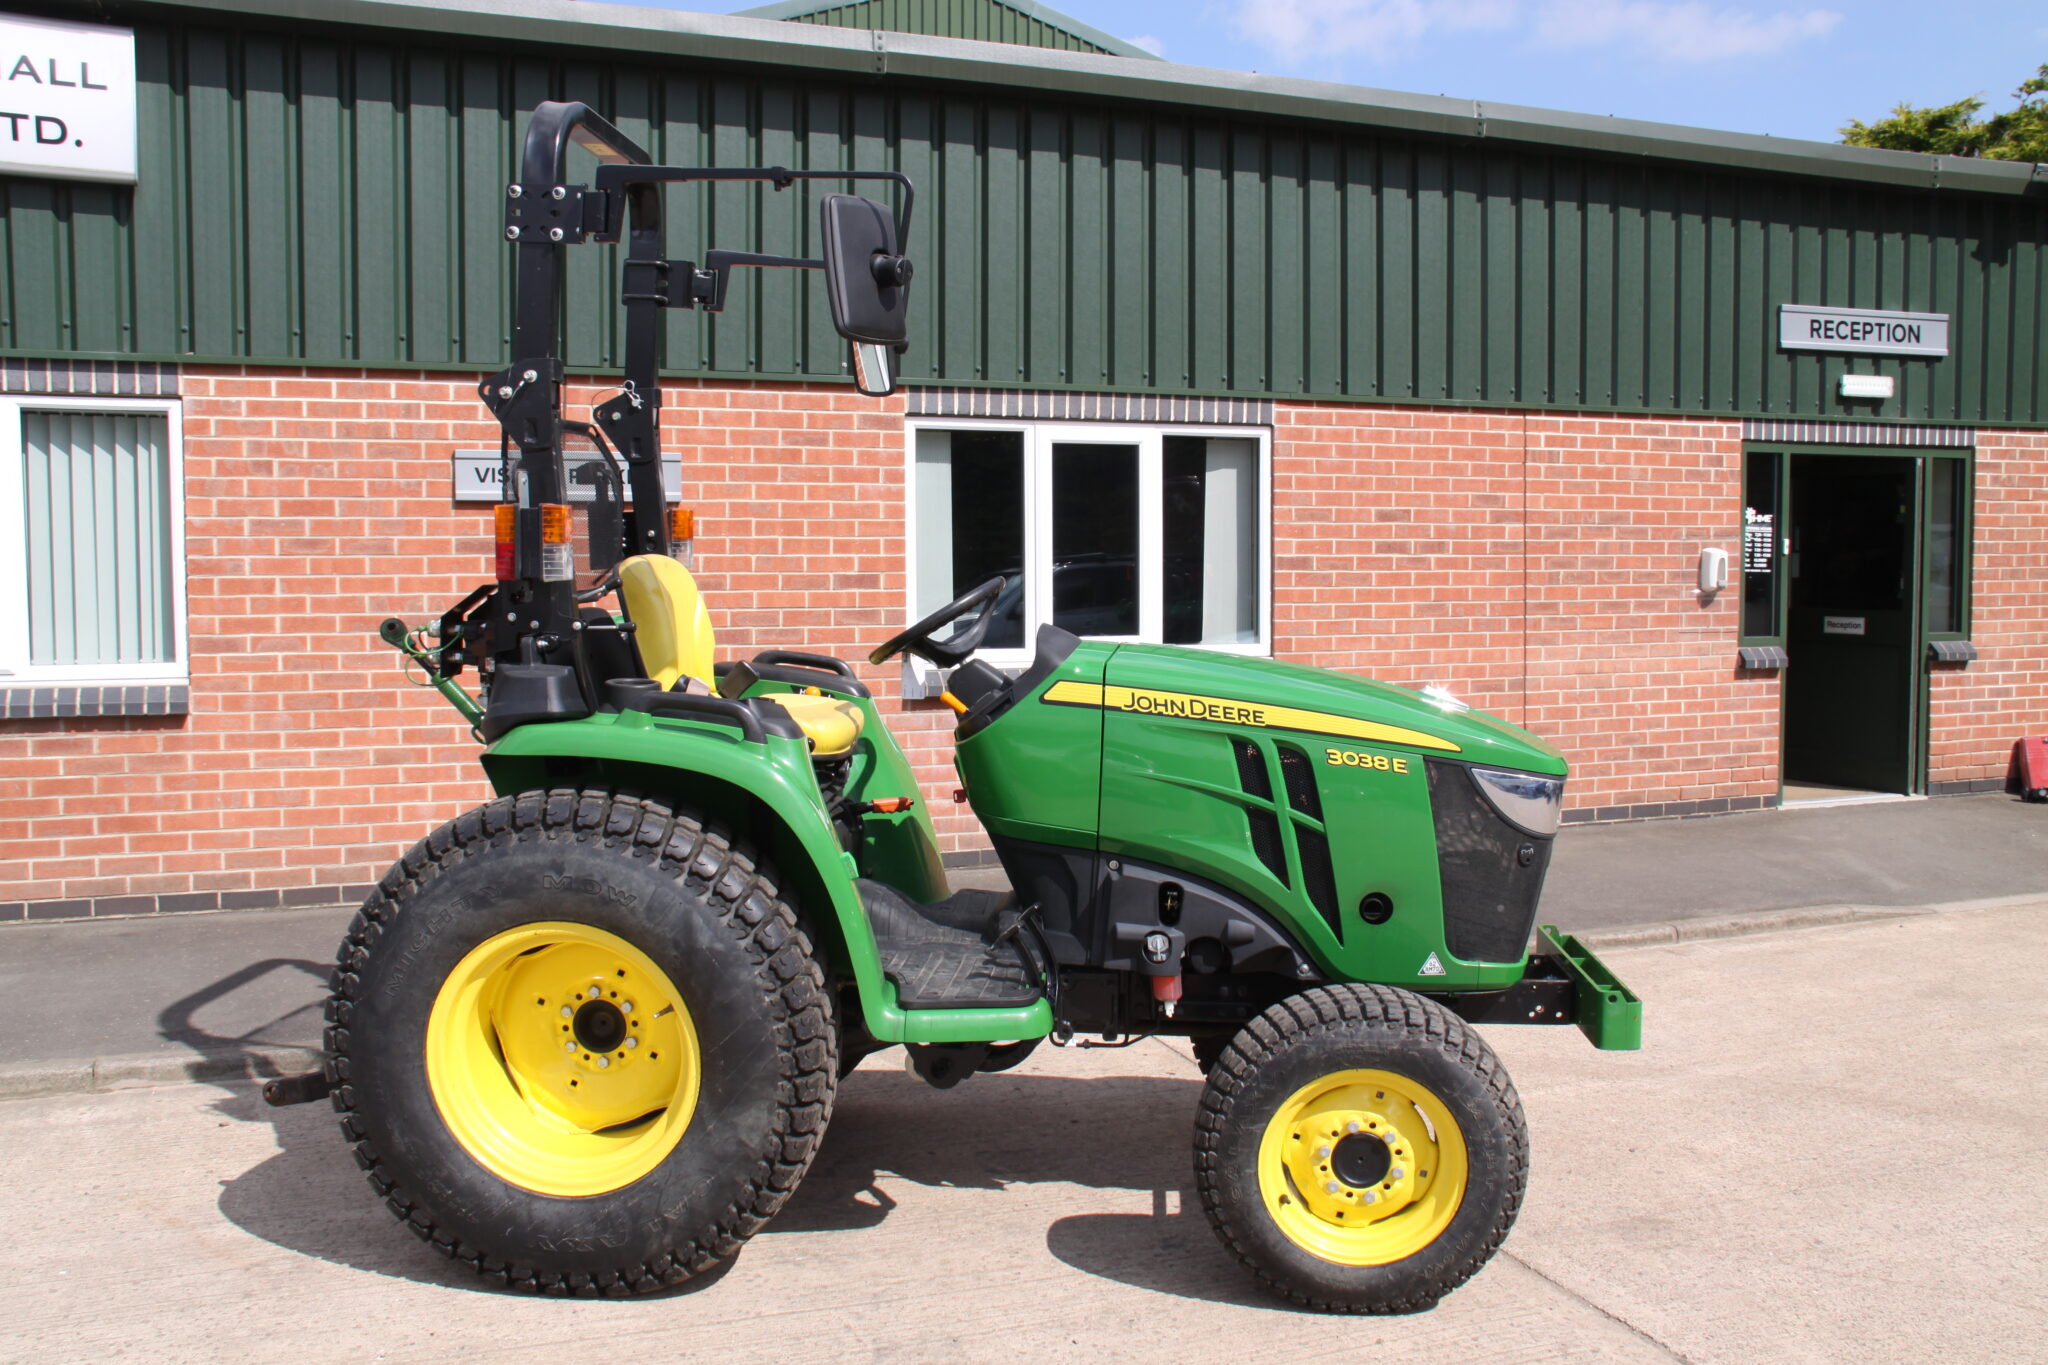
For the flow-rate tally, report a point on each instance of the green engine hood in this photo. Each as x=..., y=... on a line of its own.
x=1279, y=694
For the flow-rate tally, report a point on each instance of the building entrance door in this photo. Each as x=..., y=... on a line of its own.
x=1851, y=690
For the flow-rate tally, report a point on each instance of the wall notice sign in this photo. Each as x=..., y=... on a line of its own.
x=67, y=104
x=477, y=471
x=1759, y=541
x=1841, y=625
x=1862, y=331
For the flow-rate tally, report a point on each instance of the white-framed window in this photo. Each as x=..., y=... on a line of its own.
x=1156, y=534
x=92, y=541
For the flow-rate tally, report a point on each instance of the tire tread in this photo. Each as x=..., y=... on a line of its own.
x=1341, y=1007
x=746, y=901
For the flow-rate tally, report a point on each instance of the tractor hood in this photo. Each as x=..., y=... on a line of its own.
x=1333, y=708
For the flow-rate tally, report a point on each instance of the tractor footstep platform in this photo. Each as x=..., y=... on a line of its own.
x=942, y=956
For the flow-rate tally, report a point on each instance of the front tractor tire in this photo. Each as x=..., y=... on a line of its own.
x=579, y=1043
x=1360, y=1149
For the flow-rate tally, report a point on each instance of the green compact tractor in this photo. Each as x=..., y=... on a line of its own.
x=586, y=1037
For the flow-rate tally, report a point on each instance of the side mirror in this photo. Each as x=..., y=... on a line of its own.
x=874, y=369
x=867, y=282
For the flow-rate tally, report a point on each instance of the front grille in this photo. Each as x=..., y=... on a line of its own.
x=1489, y=897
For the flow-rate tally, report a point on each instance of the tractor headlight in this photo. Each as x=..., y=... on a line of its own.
x=1527, y=801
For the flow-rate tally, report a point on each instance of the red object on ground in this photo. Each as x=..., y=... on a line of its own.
x=2027, y=775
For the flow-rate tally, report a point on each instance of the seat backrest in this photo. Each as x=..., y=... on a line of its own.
x=670, y=624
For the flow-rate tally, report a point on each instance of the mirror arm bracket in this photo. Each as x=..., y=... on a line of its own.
x=647, y=282
x=708, y=286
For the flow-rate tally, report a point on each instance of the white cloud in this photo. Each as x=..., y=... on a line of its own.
x=1380, y=30
x=1324, y=31
x=1149, y=43
x=1688, y=31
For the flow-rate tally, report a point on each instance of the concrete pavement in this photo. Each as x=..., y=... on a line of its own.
x=92, y=1004
x=1828, y=1150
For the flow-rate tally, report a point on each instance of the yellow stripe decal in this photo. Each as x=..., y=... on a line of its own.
x=1225, y=711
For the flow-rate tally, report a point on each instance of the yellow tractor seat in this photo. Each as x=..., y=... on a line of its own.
x=673, y=631
x=830, y=724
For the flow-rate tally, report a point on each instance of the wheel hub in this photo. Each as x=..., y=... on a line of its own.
x=1361, y=1160
x=599, y=1026
x=1353, y=1166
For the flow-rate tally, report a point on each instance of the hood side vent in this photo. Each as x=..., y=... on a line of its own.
x=1263, y=825
x=1300, y=776
x=1318, y=879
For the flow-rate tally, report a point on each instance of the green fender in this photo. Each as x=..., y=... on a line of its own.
x=773, y=799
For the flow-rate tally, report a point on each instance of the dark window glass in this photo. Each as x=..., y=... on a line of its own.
x=1095, y=538
x=1761, y=534
x=1852, y=542
x=1209, y=526
x=1945, y=522
x=970, y=523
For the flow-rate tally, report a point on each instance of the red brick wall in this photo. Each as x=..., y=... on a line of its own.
x=318, y=503
x=1543, y=567
x=1540, y=566
x=1976, y=711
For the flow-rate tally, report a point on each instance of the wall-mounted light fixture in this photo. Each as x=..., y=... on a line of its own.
x=1868, y=386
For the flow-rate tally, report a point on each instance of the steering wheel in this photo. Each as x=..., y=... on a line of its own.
x=917, y=639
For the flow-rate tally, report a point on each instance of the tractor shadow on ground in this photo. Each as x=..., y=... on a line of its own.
x=310, y=1198
x=278, y=1001
x=1128, y=1133
x=992, y=1132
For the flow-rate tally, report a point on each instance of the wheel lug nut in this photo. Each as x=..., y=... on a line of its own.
x=593, y=992
x=568, y=1013
x=626, y=1008
x=632, y=1042
x=1396, y=1173
x=569, y=1046
x=1332, y=1187
x=1351, y=1127
x=1323, y=1150
x=604, y=1061
x=1371, y=1197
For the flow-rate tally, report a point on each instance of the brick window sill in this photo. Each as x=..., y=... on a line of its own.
x=65, y=701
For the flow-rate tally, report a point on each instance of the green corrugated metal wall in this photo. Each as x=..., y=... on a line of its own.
x=312, y=200
x=980, y=20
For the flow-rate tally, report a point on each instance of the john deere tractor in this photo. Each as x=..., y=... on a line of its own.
x=586, y=1037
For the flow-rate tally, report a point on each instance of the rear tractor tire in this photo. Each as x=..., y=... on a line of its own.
x=1360, y=1149
x=579, y=1043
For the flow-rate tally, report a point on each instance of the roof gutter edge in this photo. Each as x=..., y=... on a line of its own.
x=726, y=38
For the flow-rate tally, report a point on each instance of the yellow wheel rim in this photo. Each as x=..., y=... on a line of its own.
x=563, y=1059
x=1362, y=1167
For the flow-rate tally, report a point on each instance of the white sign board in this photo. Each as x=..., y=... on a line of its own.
x=477, y=471
x=1862, y=331
x=67, y=103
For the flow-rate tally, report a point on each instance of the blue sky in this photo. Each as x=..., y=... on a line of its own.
x=1783, y=67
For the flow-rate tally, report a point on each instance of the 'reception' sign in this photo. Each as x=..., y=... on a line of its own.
x=67, y=99
x=1861, y=331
